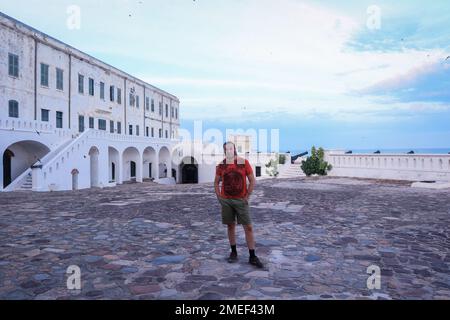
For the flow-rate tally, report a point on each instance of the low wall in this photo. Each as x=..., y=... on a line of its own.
x=414, y=167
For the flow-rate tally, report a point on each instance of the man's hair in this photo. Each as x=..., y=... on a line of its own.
x=229, y=142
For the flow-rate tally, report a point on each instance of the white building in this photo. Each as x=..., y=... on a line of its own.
x=69, y=121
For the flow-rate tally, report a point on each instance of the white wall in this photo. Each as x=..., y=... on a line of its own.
x=417, y=167
x=20, y=89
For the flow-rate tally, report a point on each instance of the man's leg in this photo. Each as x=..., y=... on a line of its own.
x=232, y=239
x=250, y=238
x=232, y=233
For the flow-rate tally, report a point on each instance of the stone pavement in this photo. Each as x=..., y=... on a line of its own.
x=317, y=237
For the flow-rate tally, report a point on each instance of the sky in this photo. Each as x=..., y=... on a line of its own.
x=336, y=74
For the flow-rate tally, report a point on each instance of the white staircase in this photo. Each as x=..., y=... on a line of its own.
x=27, y=184
x=291, y=171
x=25, y=181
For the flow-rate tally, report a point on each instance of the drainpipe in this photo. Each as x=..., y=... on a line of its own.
x=125, y=97
x=35, y=78
x=70, y=87
x=144, y=107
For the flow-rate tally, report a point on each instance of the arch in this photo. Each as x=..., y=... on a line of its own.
x=113, y=165
x=189, y=170
x=164, y=162
x=150, y=162
x=93, y=160
x=132, y=164
x=19, y=157
x=75, y=173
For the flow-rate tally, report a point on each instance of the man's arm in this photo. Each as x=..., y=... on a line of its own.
x=216, y=185
x=251, y=186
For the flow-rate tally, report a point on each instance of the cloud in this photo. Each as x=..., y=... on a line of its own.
x=426, y=83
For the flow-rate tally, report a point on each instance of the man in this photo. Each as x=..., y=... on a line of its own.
x=233, y=196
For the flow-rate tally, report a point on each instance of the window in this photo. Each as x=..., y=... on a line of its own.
x=101, y=124
x=167, y=111
x=81, y=123
x=119, y=96
x=13, y=65
x=91, y=87
x=131, y=100
x=171, y=112
x=59, y=119
x=59, y=79
x=137, y=101
x=102, y=90
x=176, y=113
x=167, y=134
x=111, y=93
x=45, y=115
x=153, y=105
x=91, y=123
x=153, y=132
x=44, y=75
x=146, y=131
x=160, y=108
x=137, y=130
x=160, y=133
x=147, y=103
x=111, y=126
x=13, y=109
x=119, y=127
x=130, y=130
x=80, y=84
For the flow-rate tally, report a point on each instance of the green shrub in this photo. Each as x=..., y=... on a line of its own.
x=282, y=159
x=315, y=164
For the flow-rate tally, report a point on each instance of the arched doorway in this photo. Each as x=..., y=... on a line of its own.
x=75, y=173
x=113, y=171
x=114, y=160
x=7, y=157
x=133, y=170
x=174, y=174
x=19, y=157
x=189, y=170
x=164, y=161
x=150, y=163
x=132, y=164
x=93, y=156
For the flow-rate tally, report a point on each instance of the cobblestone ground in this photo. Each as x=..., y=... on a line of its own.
x=144, y=241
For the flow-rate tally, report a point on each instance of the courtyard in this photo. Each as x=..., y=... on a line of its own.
x=316, y=236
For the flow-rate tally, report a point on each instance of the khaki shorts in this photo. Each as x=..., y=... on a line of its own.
x=235, y=208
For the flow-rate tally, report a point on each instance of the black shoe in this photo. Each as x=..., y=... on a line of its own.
x=255, y=262
x=233, y=257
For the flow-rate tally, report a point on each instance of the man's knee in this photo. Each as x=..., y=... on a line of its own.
x=248, y=228
x=231, y=226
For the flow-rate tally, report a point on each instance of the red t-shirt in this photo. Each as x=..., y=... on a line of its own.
x=234, y=179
